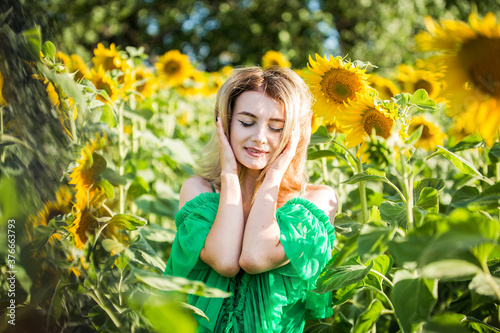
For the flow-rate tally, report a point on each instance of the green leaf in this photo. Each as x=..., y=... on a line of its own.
x=349, y=249
x=461, y=164
x=177, y=283
x=108, y=116
x=114, y=177
x=314, y=155
x=463, y=196
x=108, y=189
x=494, y=153
x=415, y=135
x=371, y=174
x=486, y=285
x=152, y=205
x=339, y=277
x=392, y=212
x=126, y=221
x=158, y=234
x=142, y=253
x=42, y=235
x=369, y=317
x=49, y=50
x=428, y=200
x=470, y=142
x=34, y=38
x=193, y=309
x=320, y=136
x=374, y=215
x=381, y=264
x=346, y=226
x=138, y=187
x=345, y=294
x=413, y=299
x=421, y=100
x=373, y=241
x=418, y=186
x=112, y=245
x=168, y=316
x=402, y=100
x=445, y=323
x=450, y=270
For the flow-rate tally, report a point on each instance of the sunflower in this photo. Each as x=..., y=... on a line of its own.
x=51, y=209
x=109, y=59
x=334, y=83
x=102, y=81
x=74, y=64
x=431, y=134
x=194, y=84
x=412, y=79
x=275, y=58
x=173, y=67
x=470, y=52
x=145, y=81
x=385, y=87
x=226, y=70
x=362, y=118
x=214, y=82
x=86, y=174
x=2, y=100
x=316, y=122
x=83, y=223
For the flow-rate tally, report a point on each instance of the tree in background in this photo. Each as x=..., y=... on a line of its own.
x=219, y=33
x=382, y=31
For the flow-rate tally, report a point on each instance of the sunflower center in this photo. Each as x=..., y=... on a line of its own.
x=339, y=84
x=101, y=85
x=172, y=67
x=480, y=59
x=424, y=84
x=109, y=63
x=375, y=120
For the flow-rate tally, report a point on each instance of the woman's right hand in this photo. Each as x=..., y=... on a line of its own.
x=229, y=165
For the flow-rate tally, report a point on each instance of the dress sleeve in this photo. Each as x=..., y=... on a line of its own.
x=193, y=223
x=307, y=237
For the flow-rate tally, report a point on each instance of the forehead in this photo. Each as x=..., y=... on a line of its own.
x=260, y=104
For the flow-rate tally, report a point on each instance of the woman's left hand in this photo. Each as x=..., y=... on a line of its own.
x=280, y=165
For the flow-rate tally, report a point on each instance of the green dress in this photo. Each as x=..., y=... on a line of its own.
x=279, y=300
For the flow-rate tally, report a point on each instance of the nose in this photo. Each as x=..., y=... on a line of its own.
x=259, y=136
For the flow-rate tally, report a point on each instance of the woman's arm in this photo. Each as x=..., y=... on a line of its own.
x=262, y=249
x=223, y=244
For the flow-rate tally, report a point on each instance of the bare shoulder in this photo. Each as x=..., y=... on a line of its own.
x=191, y=188
x=324, y=197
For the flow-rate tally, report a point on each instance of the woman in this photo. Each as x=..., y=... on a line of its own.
x=249, y=223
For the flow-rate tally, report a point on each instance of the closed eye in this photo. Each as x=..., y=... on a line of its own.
x=278, y=130
x=245, y=124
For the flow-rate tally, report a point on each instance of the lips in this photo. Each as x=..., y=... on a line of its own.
x=255, y=152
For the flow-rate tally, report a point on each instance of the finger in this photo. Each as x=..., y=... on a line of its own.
x=223, y=141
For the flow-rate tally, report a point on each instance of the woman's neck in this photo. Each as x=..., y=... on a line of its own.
x=248, y=184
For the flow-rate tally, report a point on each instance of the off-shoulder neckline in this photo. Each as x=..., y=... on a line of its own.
x=212, y=196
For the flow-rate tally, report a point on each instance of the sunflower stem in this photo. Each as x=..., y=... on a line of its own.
x=73, y=126
x=323, y=167
x=121, y=158
x=362, y=192
x=408, y=193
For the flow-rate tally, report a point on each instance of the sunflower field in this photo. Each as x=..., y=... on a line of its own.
x=93, y=154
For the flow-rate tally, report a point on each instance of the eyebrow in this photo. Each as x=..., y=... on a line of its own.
x=251, y=115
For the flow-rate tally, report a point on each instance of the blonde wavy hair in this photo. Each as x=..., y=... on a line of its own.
x=284, y=86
